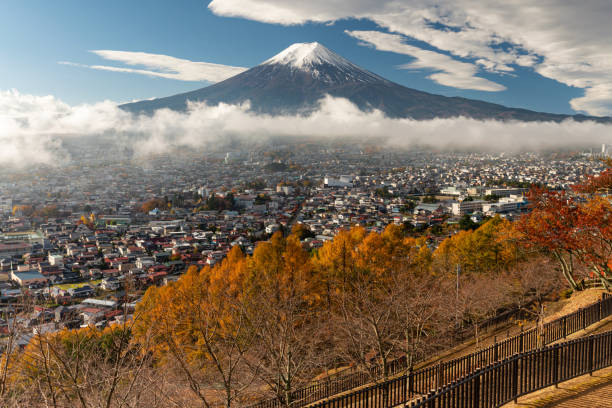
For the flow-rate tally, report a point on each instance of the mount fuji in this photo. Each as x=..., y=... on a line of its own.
x=295, y=80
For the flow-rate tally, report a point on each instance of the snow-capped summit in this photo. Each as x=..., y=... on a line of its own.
x=321, y=63
x=304, y=55
x=296, y=79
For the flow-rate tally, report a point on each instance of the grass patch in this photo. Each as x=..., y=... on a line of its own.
x=67, y=286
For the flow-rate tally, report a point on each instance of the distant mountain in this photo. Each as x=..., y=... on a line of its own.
x=296, y=79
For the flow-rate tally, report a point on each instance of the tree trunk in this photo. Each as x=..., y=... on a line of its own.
x=567, y=270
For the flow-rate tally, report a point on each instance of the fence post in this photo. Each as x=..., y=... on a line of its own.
x=432, y=400
x=410, y=382
x=439, y=376
x=600, y=307
x=476, y=392
x=582, y=310
x=591, y=339
x=556, y=366
x=404, y=389
x=521, y=341
x=564, y=328
x=386, y=394
x=495, y=350
x=515, y=379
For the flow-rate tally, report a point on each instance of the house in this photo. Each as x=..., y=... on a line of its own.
x=144, y=262
x=82, y=292
x=161, y=257
x=126, y=267
x=65, y=313
x=272, y=228
x=110, y=284
x=109, y=304
x=91, y=315
x=6, y=264
x=9, y=249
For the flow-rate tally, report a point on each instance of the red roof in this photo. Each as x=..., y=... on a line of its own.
x=14, y=245
x=112, y=313
x=91, y=310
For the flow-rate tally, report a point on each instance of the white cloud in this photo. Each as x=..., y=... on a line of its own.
x=451, y=72
x=293, y=12
x=33, y=127
x=163, y=66
x=563, y=40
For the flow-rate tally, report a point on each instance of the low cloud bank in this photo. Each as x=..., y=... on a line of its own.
x=32, y=129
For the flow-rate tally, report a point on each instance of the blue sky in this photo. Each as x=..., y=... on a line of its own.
x=39, y=34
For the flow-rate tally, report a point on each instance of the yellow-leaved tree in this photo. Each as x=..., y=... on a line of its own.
x=199, y=327
x=288, y=298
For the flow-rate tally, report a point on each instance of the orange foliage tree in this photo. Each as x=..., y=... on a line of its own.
x=574, y=227
x=81, y=368
x=281, y=280
x=199, y=325
x=152, y=204
x=490, y=248
x=368, y=281
x=549, y=226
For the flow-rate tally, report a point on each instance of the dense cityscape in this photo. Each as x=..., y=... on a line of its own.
x=73, y=234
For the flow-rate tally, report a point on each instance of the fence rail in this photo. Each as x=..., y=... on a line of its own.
x=524, y=373
x=420, y=382
x=493, y=385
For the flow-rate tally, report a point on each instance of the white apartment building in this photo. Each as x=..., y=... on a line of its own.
x=504, y=192
x=467, y=207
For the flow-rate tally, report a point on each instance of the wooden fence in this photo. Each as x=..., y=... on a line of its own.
x=524, y=373
x=420, y=382
x=493, y=385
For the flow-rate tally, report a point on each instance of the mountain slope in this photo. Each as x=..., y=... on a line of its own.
x=295, y=80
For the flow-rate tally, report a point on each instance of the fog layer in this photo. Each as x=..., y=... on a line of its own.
x=32, y=128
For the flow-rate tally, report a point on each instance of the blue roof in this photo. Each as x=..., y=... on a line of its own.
x=428, y=206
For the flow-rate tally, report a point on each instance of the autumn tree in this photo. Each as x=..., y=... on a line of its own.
x=335, y=261
x=479, y=298
x=152, y=204
x=548, y=226
x=491, y=247
x=83, y=368
x=301, y=231
x=25, y=209
x=531, y=283
x=594, y=225
x=288, y=298
x=573, y=227
x=367, y=308
x=199, y=326
x=366, y=332
x=89, y=221
x=422, y=314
